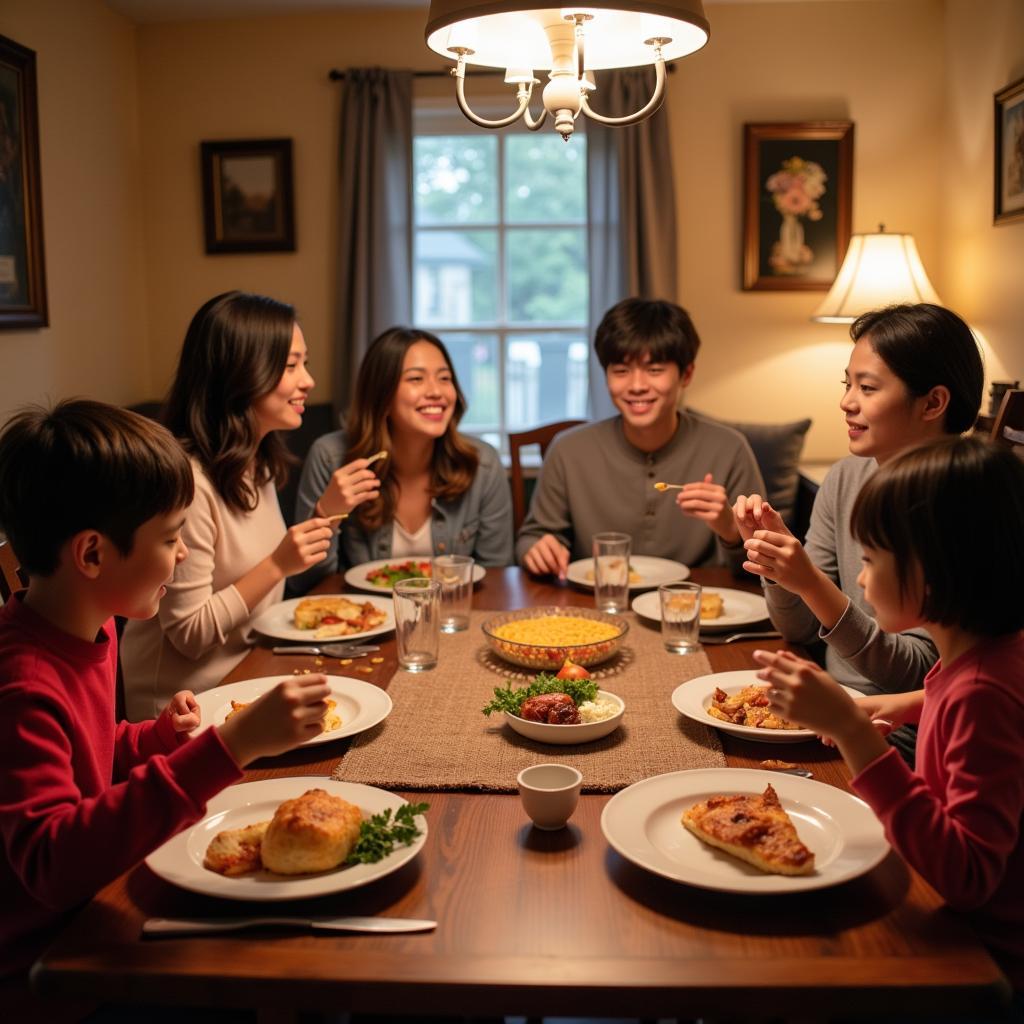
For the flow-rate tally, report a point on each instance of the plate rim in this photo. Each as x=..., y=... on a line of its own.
x=370, y=588
x=755, y=779
x=307, y=634
x=322, y=884
x=580, y=580
x=336, y=734
x=712, y=625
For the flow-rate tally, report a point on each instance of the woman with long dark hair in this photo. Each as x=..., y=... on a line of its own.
x=241, y=377
x=436, y=492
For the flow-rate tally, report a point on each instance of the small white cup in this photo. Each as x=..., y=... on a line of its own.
x=549, y=793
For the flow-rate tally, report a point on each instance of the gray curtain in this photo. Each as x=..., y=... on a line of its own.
x=375, y=235
x=632, y=239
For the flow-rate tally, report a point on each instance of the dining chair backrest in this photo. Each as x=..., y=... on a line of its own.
x=12, y=579
x=1008, y=426
x=542, y=436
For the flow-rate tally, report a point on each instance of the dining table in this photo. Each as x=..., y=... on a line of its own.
x=533, y=922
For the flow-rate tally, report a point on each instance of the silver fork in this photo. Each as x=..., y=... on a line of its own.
x=331, y=650
x=768, y=634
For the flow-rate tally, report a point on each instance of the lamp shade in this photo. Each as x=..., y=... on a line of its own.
x=512, y=33
x=879, y=270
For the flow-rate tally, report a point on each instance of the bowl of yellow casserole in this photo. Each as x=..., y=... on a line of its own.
x=542, y=638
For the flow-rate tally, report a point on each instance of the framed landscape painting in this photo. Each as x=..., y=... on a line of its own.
x=798, y=204
x=1009, y=154
x=247, y=196
x=22, y=267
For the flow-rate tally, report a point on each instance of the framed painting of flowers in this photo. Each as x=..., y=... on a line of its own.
x=798, y=204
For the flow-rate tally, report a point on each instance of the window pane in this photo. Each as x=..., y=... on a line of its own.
x=546, y=179
x=456, y=179
x=547, y=275
x=475, y=357
x=545, y=378
x=456, y=277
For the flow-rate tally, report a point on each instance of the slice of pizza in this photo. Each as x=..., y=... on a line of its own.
x=711, y=605
x=754, y=828
x=236, y=851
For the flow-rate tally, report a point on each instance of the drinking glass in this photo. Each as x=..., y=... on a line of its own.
x=680, y=617
x=611, y=571
x=417, y=623
x=455, y=574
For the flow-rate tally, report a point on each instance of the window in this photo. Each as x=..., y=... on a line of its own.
x=500, y=268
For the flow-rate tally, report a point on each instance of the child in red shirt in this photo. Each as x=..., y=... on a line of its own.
x=92, y=499
x=942, y=528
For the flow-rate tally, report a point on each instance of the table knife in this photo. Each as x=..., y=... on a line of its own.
x=211, y=925
x=331, y=650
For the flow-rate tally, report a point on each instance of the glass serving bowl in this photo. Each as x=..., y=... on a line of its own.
x=550, y=656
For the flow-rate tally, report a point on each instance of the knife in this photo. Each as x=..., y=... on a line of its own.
x=210, y=925
x=331, y=650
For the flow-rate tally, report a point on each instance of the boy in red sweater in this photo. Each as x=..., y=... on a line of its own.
x=92, y=499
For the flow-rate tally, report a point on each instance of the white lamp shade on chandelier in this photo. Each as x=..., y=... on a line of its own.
x=567, y=42
x=879, y=270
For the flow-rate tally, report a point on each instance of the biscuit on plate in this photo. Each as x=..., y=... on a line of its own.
x=312, y=832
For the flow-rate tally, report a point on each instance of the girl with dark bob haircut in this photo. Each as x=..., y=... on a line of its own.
x=915, y=375
x=436, y=491
x=241, y=378
x=940, y=527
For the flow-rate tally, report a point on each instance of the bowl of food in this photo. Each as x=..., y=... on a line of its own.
x=550, y=722
x=542, y=638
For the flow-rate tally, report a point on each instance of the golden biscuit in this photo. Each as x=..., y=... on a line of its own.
x=313, y=832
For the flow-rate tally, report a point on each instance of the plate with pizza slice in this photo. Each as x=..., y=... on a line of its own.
x=644, y=824
x=323, y=617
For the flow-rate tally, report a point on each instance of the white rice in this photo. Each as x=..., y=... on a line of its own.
x=598, y=710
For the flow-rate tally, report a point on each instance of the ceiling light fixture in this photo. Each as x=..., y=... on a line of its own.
x=568, y=42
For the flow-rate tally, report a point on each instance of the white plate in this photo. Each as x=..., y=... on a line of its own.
x=739, y=608
x=564, y=735
x=360, y=704
x=356, y=576
x=642, y=823
x=279, y=621
x=180, y=860
x=652, y=571
x=694, y=697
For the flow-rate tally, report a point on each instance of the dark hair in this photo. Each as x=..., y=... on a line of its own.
x=366, y=423
x=634, y=328
x=926, y=345
x=955, y=507
x=85, y=466
x=235, y=351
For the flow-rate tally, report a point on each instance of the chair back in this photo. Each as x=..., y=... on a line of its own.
x=1008, y=426
x=542, y=436
x=12, y=579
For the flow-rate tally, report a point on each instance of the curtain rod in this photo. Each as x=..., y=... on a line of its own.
x=337, y=75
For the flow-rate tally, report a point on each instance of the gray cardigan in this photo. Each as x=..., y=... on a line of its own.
x=858, y=653
x=477, y=523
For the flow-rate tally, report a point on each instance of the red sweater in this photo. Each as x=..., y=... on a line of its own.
x=957, y=820
x=82, y=798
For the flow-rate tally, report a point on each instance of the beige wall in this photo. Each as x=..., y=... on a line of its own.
x=917, y=77
x=97, y=341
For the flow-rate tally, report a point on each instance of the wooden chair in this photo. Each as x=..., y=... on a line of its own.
x=12, y=579
x=542, y=436
x=1008, y=426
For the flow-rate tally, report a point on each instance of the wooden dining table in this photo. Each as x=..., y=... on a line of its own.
x=541, y=923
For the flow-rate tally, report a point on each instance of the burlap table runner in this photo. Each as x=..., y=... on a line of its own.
x=437, y=739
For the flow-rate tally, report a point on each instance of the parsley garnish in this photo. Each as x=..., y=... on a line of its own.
x=508, y=699
x=380, y=835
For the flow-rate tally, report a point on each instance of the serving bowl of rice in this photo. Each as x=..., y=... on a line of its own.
x=542, y=638
x=600, y=716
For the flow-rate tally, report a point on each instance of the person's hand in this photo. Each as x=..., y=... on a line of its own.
x=282, y=718
x=183, y=711
x=548, y=555
x=303, y=545
x=746, y=514
x=706, y=500
x=773, y=552
x=348, y=487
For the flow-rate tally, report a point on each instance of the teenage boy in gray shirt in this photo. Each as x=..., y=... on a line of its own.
x=601, y=476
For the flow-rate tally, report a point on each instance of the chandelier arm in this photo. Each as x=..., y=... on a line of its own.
x=649, y=108
x=460, y=94
x=529, y=121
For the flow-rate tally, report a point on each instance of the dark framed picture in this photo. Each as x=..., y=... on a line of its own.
x=247, y=196
x=22, y=266
x=798, y=204
x=1009, y=156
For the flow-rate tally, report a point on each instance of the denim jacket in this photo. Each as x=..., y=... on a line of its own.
x=477, y=523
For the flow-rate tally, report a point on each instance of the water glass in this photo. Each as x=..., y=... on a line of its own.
x=455, y=574
x=611, y=571
x=680, y=617
x=417, y=623
x=549, y=793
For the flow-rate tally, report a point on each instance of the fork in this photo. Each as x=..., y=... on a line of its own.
x=768, y=634
x=331, y=650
